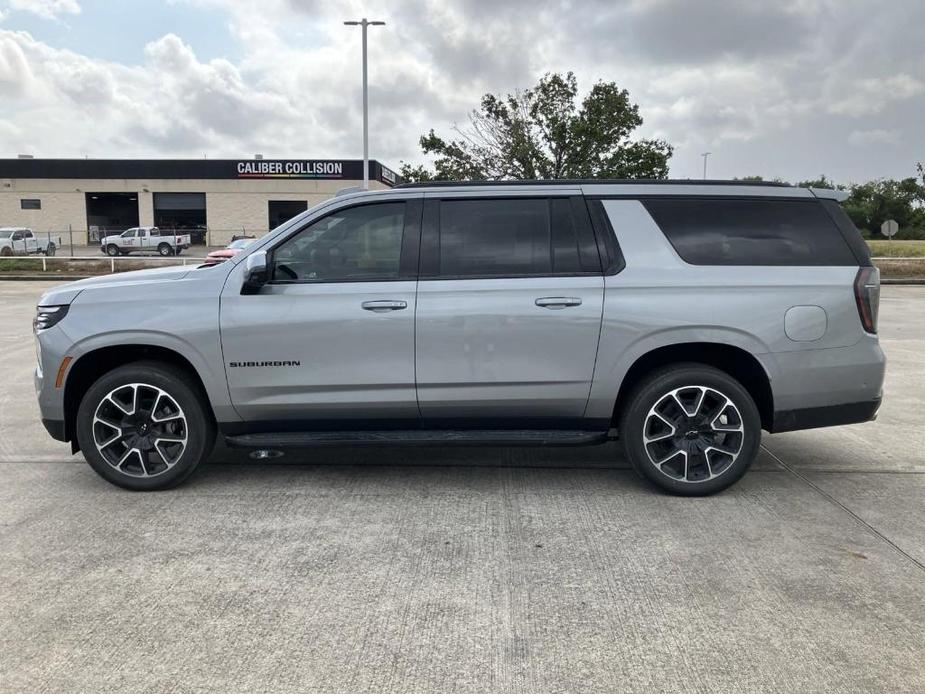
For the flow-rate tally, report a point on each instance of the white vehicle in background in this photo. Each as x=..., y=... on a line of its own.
x=144, y=239
x=22, y=241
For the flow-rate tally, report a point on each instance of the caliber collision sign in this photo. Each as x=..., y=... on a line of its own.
x=186, y=169
x=261, y=168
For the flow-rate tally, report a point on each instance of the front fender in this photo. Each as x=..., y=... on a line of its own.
x=209, y=368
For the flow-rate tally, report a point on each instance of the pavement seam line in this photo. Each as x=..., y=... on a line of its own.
x=832, y=500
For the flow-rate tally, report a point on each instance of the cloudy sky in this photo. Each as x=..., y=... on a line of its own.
x=770, y=87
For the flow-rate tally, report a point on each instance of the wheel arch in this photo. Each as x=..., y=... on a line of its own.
x=90, y=366
x=735, y=361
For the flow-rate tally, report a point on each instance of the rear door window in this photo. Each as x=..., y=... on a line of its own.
x=514, y=237
x=736, y=231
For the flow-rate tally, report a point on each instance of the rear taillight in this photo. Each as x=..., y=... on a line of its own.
x=867, y=296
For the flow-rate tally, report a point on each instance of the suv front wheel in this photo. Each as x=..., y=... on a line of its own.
x=142, y=427
x=691, y=429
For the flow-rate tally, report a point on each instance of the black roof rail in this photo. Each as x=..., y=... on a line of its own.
x=592, y=181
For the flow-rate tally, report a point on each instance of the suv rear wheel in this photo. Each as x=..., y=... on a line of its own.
x=691, y=429
x=142, y=427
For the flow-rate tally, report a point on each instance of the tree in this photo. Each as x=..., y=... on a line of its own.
x=822, y=182
x=542, y=133
x=870, y=204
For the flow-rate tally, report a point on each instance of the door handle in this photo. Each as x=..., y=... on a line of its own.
x=382, y=306
x=557, y=302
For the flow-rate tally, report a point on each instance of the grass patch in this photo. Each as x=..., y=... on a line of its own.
x=901, y=269
x=80, y=266
x=896, y=249
x=20, y=265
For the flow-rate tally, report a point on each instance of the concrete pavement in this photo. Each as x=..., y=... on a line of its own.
x=458, y=570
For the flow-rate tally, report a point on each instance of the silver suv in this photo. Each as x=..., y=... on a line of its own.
x=682, y=317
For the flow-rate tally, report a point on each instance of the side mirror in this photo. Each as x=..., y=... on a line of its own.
x=256, y=272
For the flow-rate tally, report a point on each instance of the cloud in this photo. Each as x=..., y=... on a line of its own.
x=680, y=31
x=873, y=95
x=49, y=9
x=784, y=89
x=877, y=136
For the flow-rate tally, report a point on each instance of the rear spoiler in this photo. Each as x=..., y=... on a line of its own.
x=829, y=194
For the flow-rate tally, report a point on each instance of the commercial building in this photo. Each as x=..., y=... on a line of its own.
x=211, y=199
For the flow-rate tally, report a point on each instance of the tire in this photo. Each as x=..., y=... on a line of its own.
x=125, y=448
x=6, y=251
x=164, y=249
x=722, y=423
x=112, y=250
x=50, y=249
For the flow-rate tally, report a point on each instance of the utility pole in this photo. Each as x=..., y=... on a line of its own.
x=364, y=23
x=705, y=155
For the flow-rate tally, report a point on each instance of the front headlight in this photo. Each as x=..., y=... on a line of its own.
x=47, y=316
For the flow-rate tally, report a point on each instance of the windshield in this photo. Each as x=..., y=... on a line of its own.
x=240, y=243
x=6, y=233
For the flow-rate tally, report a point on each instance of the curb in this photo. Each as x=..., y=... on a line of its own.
x=46, y=277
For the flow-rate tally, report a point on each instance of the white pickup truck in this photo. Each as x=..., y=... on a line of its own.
x=22, y=241
x=144, y=239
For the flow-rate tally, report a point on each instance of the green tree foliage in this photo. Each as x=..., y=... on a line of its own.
x=544, y=133
x=871, y=204
x=822, y=182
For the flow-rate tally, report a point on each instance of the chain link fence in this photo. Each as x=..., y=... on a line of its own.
x=78, y=243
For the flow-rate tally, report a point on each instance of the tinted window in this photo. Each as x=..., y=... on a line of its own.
x=526, y=236
x=727, y=231
x=357, y=243
x=850, y=232
x=30, y=204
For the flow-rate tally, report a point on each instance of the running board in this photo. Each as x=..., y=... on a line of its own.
x=424, y=437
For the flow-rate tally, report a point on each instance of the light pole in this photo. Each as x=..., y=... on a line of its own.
x=365, y=23
x=705, y=155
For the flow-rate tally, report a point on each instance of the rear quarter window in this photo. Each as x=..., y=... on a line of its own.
x=736, y=231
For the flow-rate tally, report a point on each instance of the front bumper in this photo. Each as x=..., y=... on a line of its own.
x=53, y=345
x=55, y=427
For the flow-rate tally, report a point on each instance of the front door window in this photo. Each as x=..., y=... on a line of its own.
x=355, y=244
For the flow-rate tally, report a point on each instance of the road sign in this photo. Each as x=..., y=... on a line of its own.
x=889, y=228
